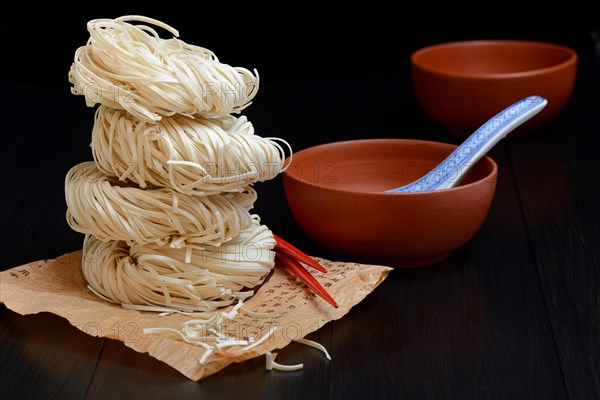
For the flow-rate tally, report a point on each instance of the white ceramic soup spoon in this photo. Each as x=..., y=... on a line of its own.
x=453, y=169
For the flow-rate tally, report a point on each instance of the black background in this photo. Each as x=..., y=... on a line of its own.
x=297, y=40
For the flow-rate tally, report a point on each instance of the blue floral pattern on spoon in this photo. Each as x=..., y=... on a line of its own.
x=450, y=172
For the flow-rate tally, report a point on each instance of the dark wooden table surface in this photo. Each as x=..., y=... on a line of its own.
x=515, y=313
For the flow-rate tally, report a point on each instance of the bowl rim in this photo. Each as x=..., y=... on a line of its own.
x=571, y=60
x=493, y=173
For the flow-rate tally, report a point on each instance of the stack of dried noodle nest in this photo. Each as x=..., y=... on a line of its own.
x=165, y=205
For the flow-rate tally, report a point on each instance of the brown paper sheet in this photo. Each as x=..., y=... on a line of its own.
x=58, y=286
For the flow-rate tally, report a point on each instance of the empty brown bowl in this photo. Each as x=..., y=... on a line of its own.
x=337, y=194
x=463, y=84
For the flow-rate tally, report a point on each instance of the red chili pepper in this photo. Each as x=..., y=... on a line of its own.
x=301, y=273
x=284, y=247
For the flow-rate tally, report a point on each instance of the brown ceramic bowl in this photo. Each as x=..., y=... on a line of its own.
x=337, y=195
x=463, y=84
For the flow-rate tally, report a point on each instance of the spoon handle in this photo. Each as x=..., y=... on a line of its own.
x=450, y=172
